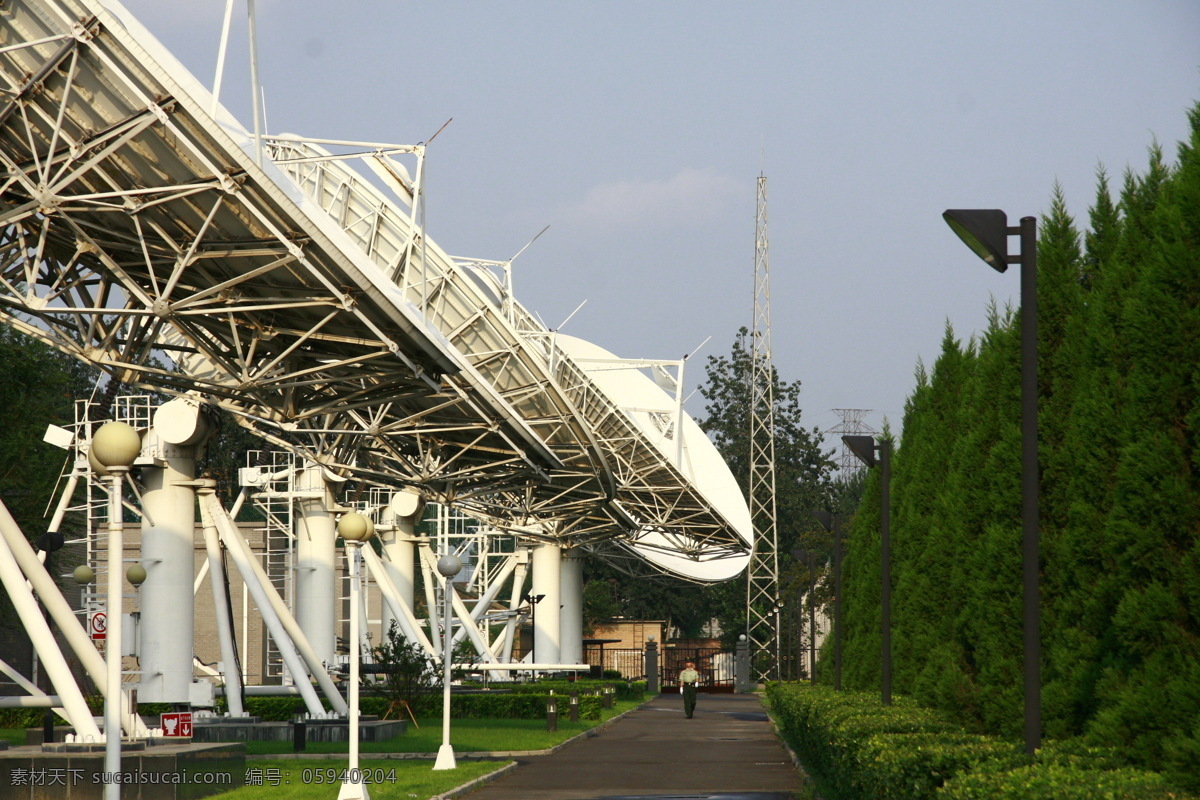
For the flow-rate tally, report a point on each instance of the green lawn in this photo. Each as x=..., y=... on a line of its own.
x=392, y=779
x=387, y=780
x=466, y=735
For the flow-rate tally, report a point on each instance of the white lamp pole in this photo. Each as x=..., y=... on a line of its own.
x=115, y=446
x=355, y=530
x=448, y=566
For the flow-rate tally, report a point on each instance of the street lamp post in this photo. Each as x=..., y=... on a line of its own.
x=864, y=448
x=986, y=232
x=809, y=558
x=533, y=600
x=447, y=566
x=355, y=530
x=832, y=523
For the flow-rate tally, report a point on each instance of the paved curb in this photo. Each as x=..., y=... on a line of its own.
x=809, y=783
x=470, y=786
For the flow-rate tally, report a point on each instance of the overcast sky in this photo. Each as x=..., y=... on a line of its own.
x=636, y=131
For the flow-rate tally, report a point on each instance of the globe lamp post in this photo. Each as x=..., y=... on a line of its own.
x=115, y=446
x=447, y=566
x=355, y=530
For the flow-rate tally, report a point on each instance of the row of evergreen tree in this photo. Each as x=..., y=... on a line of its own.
x=1119, y=452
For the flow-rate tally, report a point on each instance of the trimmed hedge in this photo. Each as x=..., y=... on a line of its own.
x=863, y=749
x=625, y=690
x=517, y=706
x=1058, y=782
x=520, y=701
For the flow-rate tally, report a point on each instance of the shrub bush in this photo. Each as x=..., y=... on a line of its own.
x=522, y=705
x=862, y=748
x=1058, y=782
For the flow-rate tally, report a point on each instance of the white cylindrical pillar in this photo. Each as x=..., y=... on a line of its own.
x=571, y=621
x=547, y=579
x=168, y=554
x=397, y=538
x=316, y=553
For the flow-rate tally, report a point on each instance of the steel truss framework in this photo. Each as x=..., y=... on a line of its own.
x=762, y=577
x=474, y=308
x=138, y=234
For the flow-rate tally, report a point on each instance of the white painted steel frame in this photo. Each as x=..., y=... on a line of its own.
x=516, y=353
x=133, y=225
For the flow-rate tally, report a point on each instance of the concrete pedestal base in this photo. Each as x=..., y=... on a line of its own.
x=162, y=772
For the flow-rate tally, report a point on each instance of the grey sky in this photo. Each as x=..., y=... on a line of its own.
x=636, y=130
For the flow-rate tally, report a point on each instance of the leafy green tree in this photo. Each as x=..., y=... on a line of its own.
x=38, y=387
x=803, y=470
x=406, y=675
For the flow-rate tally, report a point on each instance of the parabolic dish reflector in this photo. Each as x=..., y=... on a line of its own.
x=694, y=525
x=136, y=219
x=654, y=412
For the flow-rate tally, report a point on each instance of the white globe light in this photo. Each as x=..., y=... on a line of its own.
x=355, y=527
x=96, y=466
x=84, y=574
x=116, y=444
x=449, y=565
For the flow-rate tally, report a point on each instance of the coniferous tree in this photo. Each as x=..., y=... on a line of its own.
x=1119, y=383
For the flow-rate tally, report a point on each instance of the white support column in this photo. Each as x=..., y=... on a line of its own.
x=316, y=554
x=293, y=644
x=398, y=546
x=571, y=622
x=547, y=581
x=168, y=550
x=68, y=624
x=401, y=612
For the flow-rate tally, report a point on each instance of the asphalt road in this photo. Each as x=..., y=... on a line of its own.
x=728, y=750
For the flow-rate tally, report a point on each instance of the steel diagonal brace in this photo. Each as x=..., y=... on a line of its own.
x=461, y=612
x=23, y=91
x=232, y=538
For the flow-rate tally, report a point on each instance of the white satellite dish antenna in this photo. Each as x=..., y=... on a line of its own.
x=310, y=303
x=658, y=415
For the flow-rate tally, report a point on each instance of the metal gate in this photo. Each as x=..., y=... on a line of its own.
x=714, y=665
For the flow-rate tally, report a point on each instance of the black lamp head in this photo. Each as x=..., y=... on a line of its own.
x=863, y=447
x=805, y=557
x=984, y=230
x=51, y=541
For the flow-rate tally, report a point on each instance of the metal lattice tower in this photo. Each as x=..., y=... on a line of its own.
x=852, y=423
x=762, y=590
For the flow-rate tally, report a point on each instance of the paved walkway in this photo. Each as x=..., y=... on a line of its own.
x=728, y=750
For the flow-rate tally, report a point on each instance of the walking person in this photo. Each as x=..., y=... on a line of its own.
x=687, y=684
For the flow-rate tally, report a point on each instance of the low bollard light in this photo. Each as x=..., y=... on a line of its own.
x=299, y=730
x=552, y=713
x=573, y=707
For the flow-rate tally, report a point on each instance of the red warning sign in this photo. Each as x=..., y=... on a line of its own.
x=177, y=724
x=98, y=625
